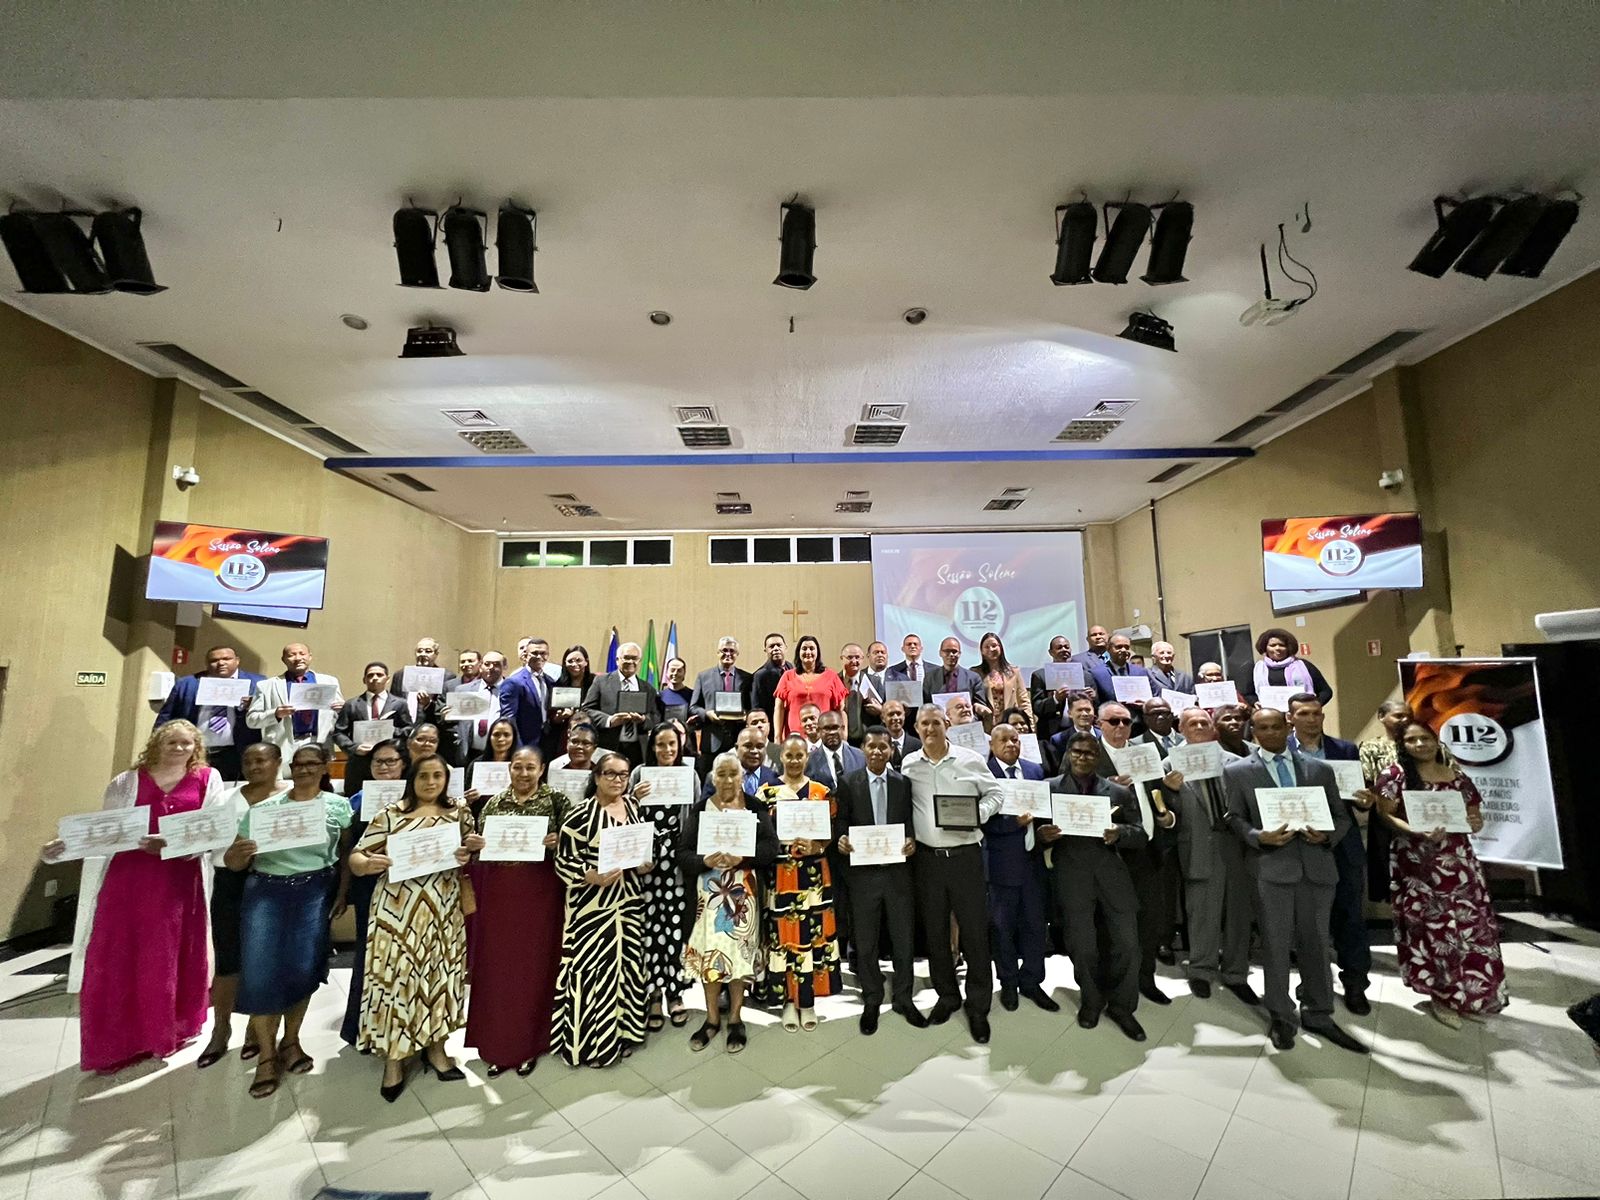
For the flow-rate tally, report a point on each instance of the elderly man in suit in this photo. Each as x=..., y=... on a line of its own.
x=1015, y=863
x=951, y=676
x=376, y=703
x=623, y=707
x=880, y=895
x=1163, y=670
x=833, y=758
x=718, y=732
x=872, y=684
x=1295, y=876
x=1217, y=889
x=222, y=727
x=279, y=722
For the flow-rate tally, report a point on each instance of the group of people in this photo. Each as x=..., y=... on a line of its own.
x=556, y=956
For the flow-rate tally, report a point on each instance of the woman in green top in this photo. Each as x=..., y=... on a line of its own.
x=284, y=919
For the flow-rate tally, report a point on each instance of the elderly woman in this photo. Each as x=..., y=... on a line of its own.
x=724, y=947
x=1280, y=666
x=666, y=898
x=139, y=952
x=283, y=927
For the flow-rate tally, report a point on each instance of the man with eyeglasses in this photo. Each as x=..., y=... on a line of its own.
x=622, y=707
x=718, y=730
x=524, y=698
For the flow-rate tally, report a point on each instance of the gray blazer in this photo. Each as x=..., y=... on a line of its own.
x=1297, y=859
x=600, y=705
x=717, y=736
x=1199, y=852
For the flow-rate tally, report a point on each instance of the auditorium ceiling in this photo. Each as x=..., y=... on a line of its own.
x=269, y=148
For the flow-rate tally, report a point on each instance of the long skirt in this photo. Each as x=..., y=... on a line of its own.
x=600, y=989
x=359, y=897
x=1447, y=936
x=283, y=940
x=227, y=899
x=515, y=951
x=414, y=991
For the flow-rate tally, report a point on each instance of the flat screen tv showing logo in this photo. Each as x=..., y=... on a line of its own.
x=1373, y=550
x=212, y=564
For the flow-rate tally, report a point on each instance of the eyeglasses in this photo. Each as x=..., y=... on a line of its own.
x=392, y=761
x=614, y=774
x=1116, y=721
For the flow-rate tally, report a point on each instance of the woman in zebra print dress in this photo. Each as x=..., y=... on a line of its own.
x=600, y=988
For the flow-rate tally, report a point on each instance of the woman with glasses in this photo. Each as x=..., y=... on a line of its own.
x=666, y=896
x=516, y=931
x=422, y=741
x=283, y=921
x=807, y=682
x=386, y=763
x=600, y=988
x=414, y=992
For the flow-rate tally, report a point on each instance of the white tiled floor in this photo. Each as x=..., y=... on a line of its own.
x=1203, y=1110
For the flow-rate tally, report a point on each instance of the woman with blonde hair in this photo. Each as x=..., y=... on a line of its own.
x=139, y=956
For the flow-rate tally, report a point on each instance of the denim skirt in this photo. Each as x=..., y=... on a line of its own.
x=283, y=938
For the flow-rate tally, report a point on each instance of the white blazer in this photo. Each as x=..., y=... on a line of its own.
x=123, y=792
x=272, y=693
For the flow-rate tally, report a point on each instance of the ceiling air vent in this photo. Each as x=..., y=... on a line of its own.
x=696, y=414
x=875, y=433
x=412, y=482
x=1087, y=429
x=1311, y=390
x=706, y=437
x=1239, y=432
x=1381, y=348
x=577, y=510
x=1003, y=504
x=329, y=438
x=853, y=506
x=194, y=364
x=470, y=418
x=561, y=497
x=883, y=412
x=1111, y=408
x=731, y=504
x=494, y=441
x=1171, y=473
x=272, y=408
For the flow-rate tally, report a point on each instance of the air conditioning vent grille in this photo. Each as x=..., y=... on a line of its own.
x=696, y=414
x=1311, y=390
x=328, y=438
x=577, y=510
x=412, y=482
x=1003, y=504
x=853, y=506
x=1171, y=473
x=706, y=437
x=193, y=363
x=733, y=508
x=1085, y=429
x=1239, y=432
x=1379, y=349
x=470, y=418
x=1111, y=408
x=875, y=433
x=494, y=441
x=272, y=408
x=883, y=412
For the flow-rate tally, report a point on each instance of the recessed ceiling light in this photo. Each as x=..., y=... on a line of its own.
x=914, y=316
x=353, y=321
x=658, y=317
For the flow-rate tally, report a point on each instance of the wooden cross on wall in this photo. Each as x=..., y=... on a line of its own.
x=796, y=612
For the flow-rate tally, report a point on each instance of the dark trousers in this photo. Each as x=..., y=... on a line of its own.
x=882, y=896
x=1017, y=929
x=843, y=910
x=950, y=882
x=1108, y=979
x=1146, y=869
x=1294, y=920
x=228, y=762
x=1348, y=923
x=359, y=897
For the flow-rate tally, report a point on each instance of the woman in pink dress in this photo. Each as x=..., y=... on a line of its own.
x=1447, y=933
x=807, y=682
x=140, y=954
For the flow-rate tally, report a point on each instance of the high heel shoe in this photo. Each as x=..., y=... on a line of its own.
x=452, y=1074
x=391, y=1091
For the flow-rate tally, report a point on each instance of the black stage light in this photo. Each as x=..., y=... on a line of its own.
x=799, y=247
x=415, y=232
x=516, y=238
x=1124, y=236
x=1170, y=243
x=1076, y=227
x=122, y=249
x=1149, y=330
x=464, y=233
x=1465, y=220
x=431, y=341
x=72, y=252
x=1509, y=228
x=32, y=261
x=1529, y=260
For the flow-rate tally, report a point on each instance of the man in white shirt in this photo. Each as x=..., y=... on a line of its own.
x=956, y=785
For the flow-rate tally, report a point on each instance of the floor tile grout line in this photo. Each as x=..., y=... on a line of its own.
x=1366, y=1083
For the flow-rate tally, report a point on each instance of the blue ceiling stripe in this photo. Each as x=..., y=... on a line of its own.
x=858, y=457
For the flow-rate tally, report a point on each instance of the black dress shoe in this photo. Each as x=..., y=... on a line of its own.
x=1008, y=998
x=1357, y=1003
x=1088, y=1018
x=979, y=1024
x=1329, y=1032
x=1245, y=993
x=1201, y=988
x=942, y=1012
x=913, y=1016
x=1154, y=994
x=1165, y=954
x=869, y=1020
x=1282, y=1035
x=1042, y=998
x=1129, y=1024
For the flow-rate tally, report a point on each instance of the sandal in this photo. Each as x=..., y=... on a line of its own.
x=736, y=1037
x=679, y=1017
x=248, y=1051
x=261, y=1088
x=704, y=1036
x=211, y=1056
x=299, y=1063
x=808, y=1019
x=655, y=1022
x=791, y=1019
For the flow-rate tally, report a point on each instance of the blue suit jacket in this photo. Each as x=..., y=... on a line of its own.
x=1005, y=850
x=180, y=706
x=1100, y=675
x=819, y=767
x=766, y=775
x=522, y=703
x=1332, y=747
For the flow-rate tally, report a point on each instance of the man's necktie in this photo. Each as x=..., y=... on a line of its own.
x=838, y=769
x=750, y=783
x=1213, y=794
x=880, y=806
x=217, y=722
x=911, y=670
x=1280, y=767
x=727, y=681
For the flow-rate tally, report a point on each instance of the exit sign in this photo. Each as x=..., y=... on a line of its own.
x=91, y=679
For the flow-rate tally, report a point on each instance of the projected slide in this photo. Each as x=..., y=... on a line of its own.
x=1026, y=587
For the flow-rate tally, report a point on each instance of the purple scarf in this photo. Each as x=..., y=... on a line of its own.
x=1294, y=672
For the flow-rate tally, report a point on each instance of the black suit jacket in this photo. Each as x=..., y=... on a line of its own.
x=359, y=708
x=717, y=736
x=853, y=806
x=1124, y=815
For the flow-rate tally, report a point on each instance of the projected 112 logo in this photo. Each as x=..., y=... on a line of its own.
x=978, y=611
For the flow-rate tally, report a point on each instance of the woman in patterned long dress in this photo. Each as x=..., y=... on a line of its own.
x=1447, y=933
x=724, y=947
x=600, y=989
x=667, y=903
x=518, y=932
x=801, y=937
x=414, y=990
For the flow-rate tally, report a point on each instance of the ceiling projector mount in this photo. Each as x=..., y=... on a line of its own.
x=1273, y=310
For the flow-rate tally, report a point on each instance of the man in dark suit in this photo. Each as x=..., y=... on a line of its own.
x=1049, y=704
x=901, y=740
x=1088, y=873
x=764, y=682
x=751, y=747
x=1164, y=672
x=951, y=676
x=1099, y=639
x=222, y=727
x=851, y=662
x=1352, y=947
x=1295, y=876
x=426, y=654
x=376, y=703
x=1016, y=884
x=525, y=703
x=623, y=725
x=460, y=741
x=718, y=733
x=881, y=895
x=1118, y=663
x=874, y=683
x=1080, y=718
x=833, y=758
x=910, y=668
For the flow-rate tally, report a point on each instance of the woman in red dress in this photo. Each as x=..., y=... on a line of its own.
x=1448, y=935
x=807, y=682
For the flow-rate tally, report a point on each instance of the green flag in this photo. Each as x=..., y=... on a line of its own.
x=647, y=667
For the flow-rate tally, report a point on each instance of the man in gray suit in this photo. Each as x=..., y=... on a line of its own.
x=951, y=676
x=1295, y=876
x=623, y=725
x=718, y=734
x=1218, y=892
x=1164, y=672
